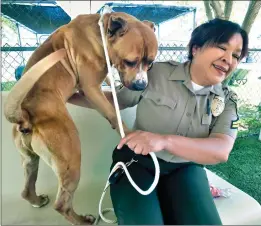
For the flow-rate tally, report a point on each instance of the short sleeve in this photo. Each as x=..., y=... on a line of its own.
x=227, y=122
x=128, y=98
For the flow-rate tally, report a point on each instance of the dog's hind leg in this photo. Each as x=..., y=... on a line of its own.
x=68, y=182
x=58, y=144
x=30, y=162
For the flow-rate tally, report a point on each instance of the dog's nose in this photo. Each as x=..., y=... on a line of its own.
x=139, y=85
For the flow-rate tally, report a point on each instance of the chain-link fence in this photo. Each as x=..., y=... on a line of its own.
x=19, y=42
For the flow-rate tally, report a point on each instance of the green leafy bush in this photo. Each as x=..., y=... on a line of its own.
x=6, y=86
x=250, y=119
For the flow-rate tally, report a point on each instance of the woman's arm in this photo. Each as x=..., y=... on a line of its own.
x=211, y=150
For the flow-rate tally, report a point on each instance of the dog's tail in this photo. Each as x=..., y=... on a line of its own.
x=12, y=108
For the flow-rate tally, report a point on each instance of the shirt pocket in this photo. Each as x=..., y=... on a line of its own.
x=160, y=99
x=156, y=113
x=203, y=128
x=206, y=119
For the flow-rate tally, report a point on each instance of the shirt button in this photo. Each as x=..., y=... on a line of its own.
x=158, y=100
x=188, y=114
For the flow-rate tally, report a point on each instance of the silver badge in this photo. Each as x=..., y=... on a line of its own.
x=217, y=105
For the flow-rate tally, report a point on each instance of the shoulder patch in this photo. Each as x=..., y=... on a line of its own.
x=226, y=90
x=233, y=96
x=235, y=124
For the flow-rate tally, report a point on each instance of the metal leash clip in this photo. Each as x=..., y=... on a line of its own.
x=115, y=177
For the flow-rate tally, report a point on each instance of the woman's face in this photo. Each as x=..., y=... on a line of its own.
x=212, y=64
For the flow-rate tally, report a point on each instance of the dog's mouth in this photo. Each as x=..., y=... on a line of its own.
x=138, y=84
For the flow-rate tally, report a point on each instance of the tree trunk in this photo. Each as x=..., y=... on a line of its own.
x=228, y=9
x=219, y=13
x=252, y=11
x=208, y=10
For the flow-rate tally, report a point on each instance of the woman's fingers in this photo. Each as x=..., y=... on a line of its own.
x=138, y=149
x=126, y=139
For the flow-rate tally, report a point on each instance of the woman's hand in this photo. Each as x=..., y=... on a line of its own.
x=142, y=142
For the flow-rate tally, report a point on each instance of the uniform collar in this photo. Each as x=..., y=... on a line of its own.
x=181, y=73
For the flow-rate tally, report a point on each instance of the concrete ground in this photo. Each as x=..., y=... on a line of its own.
x=98, y=142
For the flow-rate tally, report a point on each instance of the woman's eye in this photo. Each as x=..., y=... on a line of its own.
x=130, y=63
x=236, y=56
x=150, y=66
x=150, y=63
x=221, y=47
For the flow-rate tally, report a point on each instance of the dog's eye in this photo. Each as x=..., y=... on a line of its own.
x=130, y=63
x=150, y=63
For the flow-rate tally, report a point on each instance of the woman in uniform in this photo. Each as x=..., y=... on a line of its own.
x=189, y=120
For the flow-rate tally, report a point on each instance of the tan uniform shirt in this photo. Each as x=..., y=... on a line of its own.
x=169, y=105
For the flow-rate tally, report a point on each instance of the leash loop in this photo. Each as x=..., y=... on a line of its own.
x=120, y=165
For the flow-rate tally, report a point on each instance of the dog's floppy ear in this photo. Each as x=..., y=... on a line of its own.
x=117, y=25
x=150, y=24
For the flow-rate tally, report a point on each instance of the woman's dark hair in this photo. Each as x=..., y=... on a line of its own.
x=214, y=32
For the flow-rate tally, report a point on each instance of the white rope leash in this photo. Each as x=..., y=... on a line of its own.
x=110, y=74
x=107, y=9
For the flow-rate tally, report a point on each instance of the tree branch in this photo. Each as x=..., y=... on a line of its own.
x=252, y=11
x=208, y=10
x=217, y=9
x=228, y=9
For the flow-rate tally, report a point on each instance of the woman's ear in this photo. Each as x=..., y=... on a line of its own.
x=195, y=49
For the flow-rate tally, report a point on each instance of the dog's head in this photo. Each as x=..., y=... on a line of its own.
x=132, y=47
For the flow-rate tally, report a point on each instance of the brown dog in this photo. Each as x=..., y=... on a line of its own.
x=43, y=127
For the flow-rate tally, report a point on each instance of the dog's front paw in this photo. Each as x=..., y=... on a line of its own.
x=87, y=219
x=43, y=200
x=127, y=131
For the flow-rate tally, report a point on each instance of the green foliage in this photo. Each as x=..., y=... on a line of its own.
x=5, y=21
x=7, y=86
x=250, y=119
x=243, y=167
